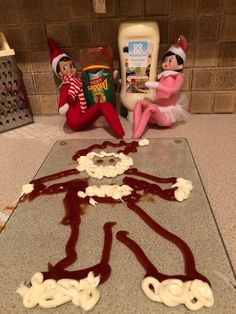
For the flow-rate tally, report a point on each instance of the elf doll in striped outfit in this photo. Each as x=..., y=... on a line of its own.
x=72, y=102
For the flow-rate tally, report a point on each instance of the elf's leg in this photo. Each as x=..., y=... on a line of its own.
x=154, y=115
x=112, y=118
x=161, y=118
x=137, y=114
x=78, y=121
x=142, y=123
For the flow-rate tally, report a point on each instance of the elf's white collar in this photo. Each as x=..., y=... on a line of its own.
x=168, y=73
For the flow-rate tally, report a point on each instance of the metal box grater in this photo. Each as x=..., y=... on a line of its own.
x=14, y=104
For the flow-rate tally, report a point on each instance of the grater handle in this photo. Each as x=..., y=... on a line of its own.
x=5, y=49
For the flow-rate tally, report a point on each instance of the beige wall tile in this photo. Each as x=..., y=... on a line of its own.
x=31, y=11
x=33, y=100
x=48, y=104
x=189, y=55
x=203, y=79
x=157, y=7
x=29, y=84
x=225, y=79
x=40, y=61
x=15, y=36
x=224, y=102
x=79, y=9
x=45, y=83
x=188, y=95
x=230, y=6
x=209, y=6
x=36, y=36
x=82, y=32
x=201, y=102
x=207, y=28
x=187, y=80
x=181, y=25
x=61, y=33
x=9, y=12
x=23, y=61
x=106, y=31
x=229, y=26
x=129, y=8
x=163, y=25
x=206, y=54
x=182, y=7
x=227, y=54
x=55, y=10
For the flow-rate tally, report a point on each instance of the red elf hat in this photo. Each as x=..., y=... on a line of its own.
x=179, y=47
x=55, y=54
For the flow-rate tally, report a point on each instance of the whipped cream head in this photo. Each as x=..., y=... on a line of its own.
x=143, y=142
x=27, y=188
x=184, y=187
x=110, y=190
x=86, y=163
x=193, y=294
x=51, y=293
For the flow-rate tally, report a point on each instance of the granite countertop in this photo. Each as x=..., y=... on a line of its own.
x=212, y=139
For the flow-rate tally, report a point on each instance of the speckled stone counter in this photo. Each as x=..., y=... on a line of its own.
x=212, y=139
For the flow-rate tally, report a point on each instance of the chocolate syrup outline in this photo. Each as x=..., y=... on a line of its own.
x=58, y=271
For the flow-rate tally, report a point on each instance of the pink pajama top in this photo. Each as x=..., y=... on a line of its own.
x=169, y=99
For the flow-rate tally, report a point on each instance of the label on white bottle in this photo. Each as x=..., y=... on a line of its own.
x=137, y=56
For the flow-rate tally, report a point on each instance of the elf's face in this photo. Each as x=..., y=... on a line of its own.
x=67, y=69
x=170, y=63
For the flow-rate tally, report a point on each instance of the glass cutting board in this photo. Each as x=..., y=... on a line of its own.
x=34, y=235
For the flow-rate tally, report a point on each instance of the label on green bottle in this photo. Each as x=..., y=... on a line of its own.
x=98, y=85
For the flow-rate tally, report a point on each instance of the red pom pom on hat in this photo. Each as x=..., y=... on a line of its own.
x=179, y=47
x=55, y=54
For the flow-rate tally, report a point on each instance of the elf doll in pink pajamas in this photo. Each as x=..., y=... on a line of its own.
x=170, y=104
x=72, y=102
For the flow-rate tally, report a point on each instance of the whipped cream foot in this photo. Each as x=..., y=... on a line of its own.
x=51, y=293
x=193, y=294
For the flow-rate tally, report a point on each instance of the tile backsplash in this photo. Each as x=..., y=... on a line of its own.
x=209, y=26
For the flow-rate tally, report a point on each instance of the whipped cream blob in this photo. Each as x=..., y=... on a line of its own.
x=51, y=293
x=143, y=142
x=27, y=188
x=184, y=187
x=193, y=294
x=114, y=191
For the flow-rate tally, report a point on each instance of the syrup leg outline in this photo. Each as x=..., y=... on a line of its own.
x=189, y=262
x=103, y=268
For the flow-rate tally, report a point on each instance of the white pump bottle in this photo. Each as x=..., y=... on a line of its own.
x=138, y=48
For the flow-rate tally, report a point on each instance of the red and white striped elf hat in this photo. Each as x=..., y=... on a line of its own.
x=179, y=47
x=55, y=54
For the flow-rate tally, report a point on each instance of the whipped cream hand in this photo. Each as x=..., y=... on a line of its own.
x=27, y=188
x=184, y=187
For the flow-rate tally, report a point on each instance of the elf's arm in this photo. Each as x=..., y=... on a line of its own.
x=63, y=105
x=164, y=88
